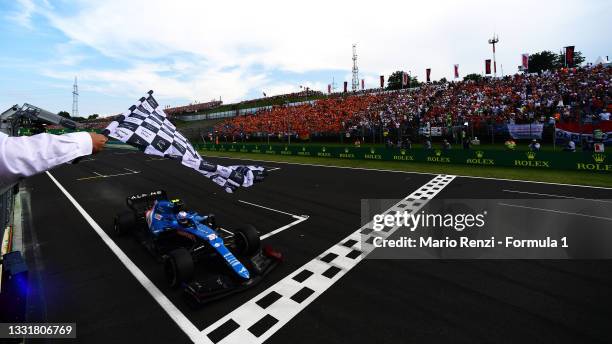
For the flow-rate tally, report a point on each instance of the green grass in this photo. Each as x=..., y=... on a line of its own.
x=551, y=176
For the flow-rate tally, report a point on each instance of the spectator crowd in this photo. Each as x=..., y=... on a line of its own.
x=567, y=95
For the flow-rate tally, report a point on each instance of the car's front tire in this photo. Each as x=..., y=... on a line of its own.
x=179, y=267
x=247, y=241
x=124, y=222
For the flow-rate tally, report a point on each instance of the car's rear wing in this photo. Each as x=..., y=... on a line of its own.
x=142, y=202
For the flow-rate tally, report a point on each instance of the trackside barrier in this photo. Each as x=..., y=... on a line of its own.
x=6, y=210
x=578, y=161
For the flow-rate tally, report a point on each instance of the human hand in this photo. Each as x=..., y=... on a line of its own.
x=97, y=142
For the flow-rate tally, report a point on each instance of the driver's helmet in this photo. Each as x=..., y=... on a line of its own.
x=181, y=217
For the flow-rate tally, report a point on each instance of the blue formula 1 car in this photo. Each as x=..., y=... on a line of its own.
x=232, y=260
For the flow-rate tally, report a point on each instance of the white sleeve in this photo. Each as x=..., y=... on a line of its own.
x=24, y=156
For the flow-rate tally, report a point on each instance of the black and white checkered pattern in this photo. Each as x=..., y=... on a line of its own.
x=146, y=127
x=259, y=318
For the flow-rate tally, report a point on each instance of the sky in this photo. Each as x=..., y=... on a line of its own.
x=189, y=51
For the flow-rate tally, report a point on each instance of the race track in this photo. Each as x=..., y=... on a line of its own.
x=77, y=275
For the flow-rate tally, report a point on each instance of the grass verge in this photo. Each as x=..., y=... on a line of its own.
x=551, y=176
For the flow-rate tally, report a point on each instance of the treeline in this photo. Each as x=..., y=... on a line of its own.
x=65, y=114
x=538, y=62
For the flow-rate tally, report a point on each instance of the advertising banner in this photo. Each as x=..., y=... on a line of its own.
x=525, y=61
x=579, y=161
x=431, y=131
x=569, y=56
x=577, y=132
x=525, y=131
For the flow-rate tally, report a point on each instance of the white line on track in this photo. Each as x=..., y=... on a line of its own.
x=555, y=211
x=278, y=230
x=558, y=196
x=262, y=316
x=411, y=172
x=267, y=208
x=175, y=314
x=98, y=175
x=298, y=219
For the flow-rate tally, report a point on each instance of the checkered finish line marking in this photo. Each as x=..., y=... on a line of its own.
x=259, y=318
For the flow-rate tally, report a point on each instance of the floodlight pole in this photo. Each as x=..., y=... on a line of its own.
x=494, y=41
x=355, y=81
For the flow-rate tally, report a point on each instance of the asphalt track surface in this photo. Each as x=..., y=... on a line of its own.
x=75, y=277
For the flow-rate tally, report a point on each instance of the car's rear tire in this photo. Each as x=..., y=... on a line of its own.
x=179, y=267
x=247, y=241
x=124, y=222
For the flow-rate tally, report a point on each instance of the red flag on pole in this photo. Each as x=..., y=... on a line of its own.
x=495, y=67
x=362, y=84
x=456, y=71
x=428, y=72
x=487, y=67
x=329, y=88
x=404, y=79
x=525, y=62
x=345, y=86
x=569, y=56
x=382, y=81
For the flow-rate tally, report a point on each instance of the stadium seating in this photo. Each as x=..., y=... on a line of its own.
x=575, y=95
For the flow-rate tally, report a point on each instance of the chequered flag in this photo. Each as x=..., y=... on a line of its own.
x=146, y=127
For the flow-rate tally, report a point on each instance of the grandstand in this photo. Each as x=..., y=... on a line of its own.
x=577, y=95
x=197, y=107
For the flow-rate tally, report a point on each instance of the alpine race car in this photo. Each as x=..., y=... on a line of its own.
x=232, y=260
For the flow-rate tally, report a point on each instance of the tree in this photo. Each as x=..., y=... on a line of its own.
x=443, y=81
x=94, y=116
x=473, y=77
x=578, y=59
x=542, y=61
x=395, y=81
x=64, y=114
